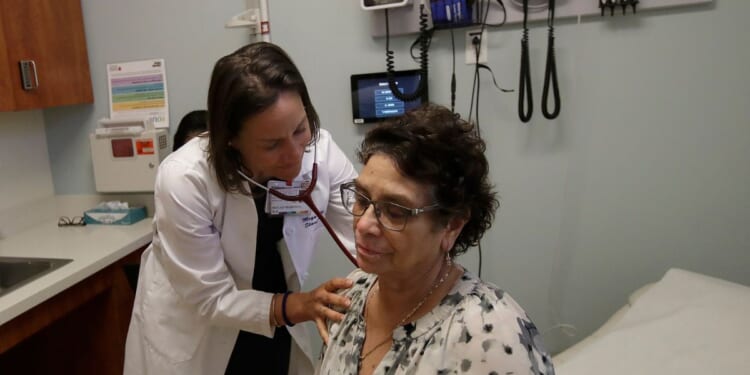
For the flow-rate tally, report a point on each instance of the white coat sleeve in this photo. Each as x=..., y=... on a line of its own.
x=188, y=246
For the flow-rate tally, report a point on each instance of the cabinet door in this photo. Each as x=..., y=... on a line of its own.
x=50, y=34
x=7, y=101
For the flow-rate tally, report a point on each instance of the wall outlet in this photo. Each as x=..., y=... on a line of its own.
x=472, y=38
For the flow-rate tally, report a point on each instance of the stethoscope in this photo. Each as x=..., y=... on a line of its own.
x=306, y=197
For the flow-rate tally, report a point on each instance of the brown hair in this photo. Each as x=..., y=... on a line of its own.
x=243, y=84
x=434, y=147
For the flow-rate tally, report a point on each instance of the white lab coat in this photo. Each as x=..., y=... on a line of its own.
x=194, y=286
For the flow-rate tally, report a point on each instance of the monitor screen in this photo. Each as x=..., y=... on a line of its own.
x=372, y=99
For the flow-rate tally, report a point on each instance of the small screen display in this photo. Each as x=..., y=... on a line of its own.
x=372, y=99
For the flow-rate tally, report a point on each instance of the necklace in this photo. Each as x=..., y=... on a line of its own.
x=409, y=315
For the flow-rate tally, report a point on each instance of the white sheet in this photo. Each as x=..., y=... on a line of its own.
x=686, y=323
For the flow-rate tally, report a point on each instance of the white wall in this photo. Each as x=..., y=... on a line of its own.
x=25, y=178
x=188, y=34
x=647, y=167
x=44, y=153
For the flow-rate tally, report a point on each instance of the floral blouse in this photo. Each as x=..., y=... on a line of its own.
x=476, y=329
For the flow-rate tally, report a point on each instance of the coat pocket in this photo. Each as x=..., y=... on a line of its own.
x=171, y=327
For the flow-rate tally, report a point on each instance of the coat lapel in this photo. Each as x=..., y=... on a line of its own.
x=238, y=237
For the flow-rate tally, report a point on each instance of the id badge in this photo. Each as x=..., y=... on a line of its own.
x=276, y=206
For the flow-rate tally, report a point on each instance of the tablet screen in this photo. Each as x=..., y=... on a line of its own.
x=372, y=99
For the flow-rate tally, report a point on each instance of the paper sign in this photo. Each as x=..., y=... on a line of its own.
x=138, y=89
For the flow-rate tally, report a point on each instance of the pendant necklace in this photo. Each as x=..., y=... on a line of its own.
x=409, y=315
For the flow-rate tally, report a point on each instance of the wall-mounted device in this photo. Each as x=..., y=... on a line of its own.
x=383, y=4
x=126, y=154
x=373, y=100
x=404, y=20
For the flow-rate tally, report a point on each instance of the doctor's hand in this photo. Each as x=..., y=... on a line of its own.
x=320, y=304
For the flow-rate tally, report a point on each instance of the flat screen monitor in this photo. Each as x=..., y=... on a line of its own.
x=372, y=99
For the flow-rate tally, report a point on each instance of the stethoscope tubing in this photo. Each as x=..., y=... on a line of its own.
x=306, y=197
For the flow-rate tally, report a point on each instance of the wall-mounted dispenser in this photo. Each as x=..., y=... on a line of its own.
x=404, y=17
x=126, y=154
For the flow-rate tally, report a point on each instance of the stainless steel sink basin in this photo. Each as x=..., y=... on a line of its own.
x=15, y=272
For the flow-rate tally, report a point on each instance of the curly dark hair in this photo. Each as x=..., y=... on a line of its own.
x=435, y=147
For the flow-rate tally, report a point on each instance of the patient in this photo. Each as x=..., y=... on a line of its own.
x=423, y=198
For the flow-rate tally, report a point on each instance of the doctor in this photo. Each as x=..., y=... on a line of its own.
x=219, y=286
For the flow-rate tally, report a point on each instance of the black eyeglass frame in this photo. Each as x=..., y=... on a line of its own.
x=351, y=186
x=76, y=221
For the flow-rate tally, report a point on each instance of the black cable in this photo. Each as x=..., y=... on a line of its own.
x=475, y=84
x=453, y=74
x=524, y=84
x=550, y=72
x=492, y=74
x=476, y=89
x=505, y=16
x=479, y=247
x=418, y=41
x=424, y=46
x=478, y=10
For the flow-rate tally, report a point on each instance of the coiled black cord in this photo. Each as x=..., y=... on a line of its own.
x=550, y=72
x=424, y=45
x=453, y=73
x=524, y=88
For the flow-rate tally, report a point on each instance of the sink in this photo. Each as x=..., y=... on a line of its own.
x=15, y=272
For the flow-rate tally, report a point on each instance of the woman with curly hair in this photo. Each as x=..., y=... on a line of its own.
x=422, y=198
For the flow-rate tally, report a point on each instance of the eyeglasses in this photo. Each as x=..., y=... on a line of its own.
x=76, y=221
x=390, y=215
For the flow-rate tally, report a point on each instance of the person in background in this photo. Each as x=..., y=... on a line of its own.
x=218, y=290
x=192, y=124
x=423, y=198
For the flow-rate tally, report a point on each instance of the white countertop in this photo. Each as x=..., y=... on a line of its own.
x=92, y=248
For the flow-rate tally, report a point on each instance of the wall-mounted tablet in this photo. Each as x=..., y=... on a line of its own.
x=372, y=99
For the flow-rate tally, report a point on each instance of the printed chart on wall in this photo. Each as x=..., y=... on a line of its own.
x=138, y=89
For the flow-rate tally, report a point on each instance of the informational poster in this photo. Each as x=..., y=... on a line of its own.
x=138, y=89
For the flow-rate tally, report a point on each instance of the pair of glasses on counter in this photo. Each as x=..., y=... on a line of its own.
x=75, y=221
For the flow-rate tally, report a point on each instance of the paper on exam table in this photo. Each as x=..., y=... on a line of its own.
x=686, y=323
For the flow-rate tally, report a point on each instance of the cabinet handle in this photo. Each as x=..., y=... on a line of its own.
x=29, y=78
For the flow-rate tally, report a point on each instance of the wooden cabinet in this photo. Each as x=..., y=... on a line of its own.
x=49, y=35
x=80, y=331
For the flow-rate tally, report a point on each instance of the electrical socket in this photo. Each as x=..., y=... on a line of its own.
x=472, y=37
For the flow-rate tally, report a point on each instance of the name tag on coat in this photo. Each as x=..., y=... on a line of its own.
x=276, y=206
